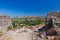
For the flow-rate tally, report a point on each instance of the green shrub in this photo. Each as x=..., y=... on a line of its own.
x=9, y=28
x=23, y=22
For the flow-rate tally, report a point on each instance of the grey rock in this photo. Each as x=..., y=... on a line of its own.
x=55, y=16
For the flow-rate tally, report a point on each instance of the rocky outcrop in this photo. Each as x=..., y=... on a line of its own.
x=5, y=21
x=20, y=34
x=55, y=16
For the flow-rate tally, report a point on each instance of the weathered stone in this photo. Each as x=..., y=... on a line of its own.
x=5, y=21
x=55, y=16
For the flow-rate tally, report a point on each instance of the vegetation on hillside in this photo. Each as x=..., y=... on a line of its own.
x=17, y=22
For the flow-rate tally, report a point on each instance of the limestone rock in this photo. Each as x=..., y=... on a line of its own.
x=56, y=20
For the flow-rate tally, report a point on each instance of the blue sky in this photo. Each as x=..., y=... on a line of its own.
x=28, y=7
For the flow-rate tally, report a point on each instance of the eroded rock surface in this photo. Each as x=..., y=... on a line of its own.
x=20, y=34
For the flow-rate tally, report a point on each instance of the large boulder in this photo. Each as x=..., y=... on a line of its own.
x=55, y=16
